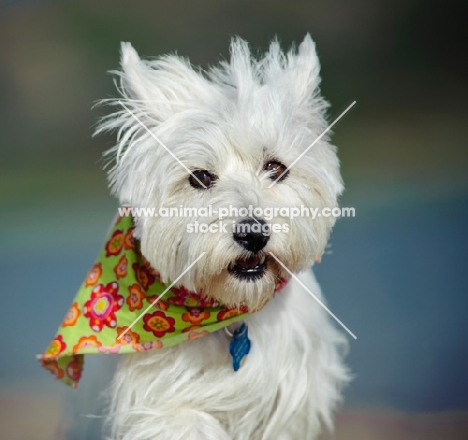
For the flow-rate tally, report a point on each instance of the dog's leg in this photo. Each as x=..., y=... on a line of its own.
x=174, y=425
x=161, y=395
x=297, y=346
x=320, y=371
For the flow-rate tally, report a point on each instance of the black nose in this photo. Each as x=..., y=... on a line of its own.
x=251, y=234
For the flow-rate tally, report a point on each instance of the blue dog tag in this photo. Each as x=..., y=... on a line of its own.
x=239, y=346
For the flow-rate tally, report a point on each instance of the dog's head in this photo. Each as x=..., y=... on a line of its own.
x=191, y=139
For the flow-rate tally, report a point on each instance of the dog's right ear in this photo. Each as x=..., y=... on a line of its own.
x=161, y=86
x=135, y=76
x=151, y=92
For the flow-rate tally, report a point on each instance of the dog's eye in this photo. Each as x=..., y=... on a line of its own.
x=276, y=170
x=204, y=177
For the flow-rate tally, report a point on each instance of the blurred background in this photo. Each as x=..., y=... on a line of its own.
x=396, y=272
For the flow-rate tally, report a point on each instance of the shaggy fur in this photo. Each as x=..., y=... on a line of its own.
x=230, y=121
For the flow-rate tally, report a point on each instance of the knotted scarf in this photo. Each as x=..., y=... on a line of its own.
x=117, y=290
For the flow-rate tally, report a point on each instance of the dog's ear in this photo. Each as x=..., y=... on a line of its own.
x=136, y=81
x=151, y=92
x=294, y=76
x=305, y=72
x=160, y=86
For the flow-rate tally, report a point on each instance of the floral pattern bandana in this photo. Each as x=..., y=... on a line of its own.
x=117, y=290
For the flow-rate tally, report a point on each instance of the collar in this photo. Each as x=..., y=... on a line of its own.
x=119, y=288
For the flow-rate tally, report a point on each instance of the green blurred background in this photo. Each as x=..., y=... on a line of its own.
x=395, y=275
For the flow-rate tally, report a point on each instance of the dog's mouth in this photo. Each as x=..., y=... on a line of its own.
x=249, y=269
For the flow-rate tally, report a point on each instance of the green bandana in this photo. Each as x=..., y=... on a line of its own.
x=117, y=290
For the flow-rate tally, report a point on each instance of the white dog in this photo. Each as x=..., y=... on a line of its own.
x=235, y=130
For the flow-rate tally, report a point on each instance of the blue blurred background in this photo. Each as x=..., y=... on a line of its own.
x=395, y=274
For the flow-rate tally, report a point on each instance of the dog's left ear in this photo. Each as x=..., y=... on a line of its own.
x=307, y=71
x=302, y=75
x=295, y=78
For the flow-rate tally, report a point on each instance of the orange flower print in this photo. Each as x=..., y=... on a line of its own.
x=53, y=367
x=101, y=308
x=120, y=269
x=128, y=338
x=86, y=342
x=115, y=244
x=74, y=369
x=129, y=241
x=144, y=261
x=149, y=345
x=194, y=335
x=187, y=298
x=191, y=328
x=135, y=297
x=159, y=324
x=56, y=347
x=229, y=313
x=195, y=316
x=93, y=275
x=154, y=273
x=161, y=304
x=143, y=276
x=71, y=316
x=146, y=264
x=187, y=301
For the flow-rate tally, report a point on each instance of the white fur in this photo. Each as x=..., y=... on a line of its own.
x=229, y=121
x=289, y=384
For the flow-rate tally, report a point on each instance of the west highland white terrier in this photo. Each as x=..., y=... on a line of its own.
x=239, y=350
